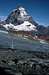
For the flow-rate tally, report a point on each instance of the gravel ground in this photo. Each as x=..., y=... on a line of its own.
x=21, y=62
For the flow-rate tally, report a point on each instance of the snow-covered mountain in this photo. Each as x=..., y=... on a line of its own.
x=19, y=20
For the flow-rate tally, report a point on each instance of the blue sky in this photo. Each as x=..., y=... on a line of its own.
x=38, y=9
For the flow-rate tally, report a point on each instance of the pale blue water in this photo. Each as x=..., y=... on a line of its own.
x=21, y=43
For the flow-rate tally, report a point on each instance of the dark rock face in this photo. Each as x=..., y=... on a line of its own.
x=43, y=32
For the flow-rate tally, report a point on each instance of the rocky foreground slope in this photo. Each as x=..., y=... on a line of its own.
x=14, y=62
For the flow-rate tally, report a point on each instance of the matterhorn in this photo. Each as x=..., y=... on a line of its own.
x=19, y=20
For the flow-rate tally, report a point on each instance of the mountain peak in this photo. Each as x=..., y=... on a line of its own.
x=18, y=16
x=22, y=11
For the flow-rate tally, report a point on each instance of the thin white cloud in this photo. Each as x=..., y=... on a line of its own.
x=2, y=18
